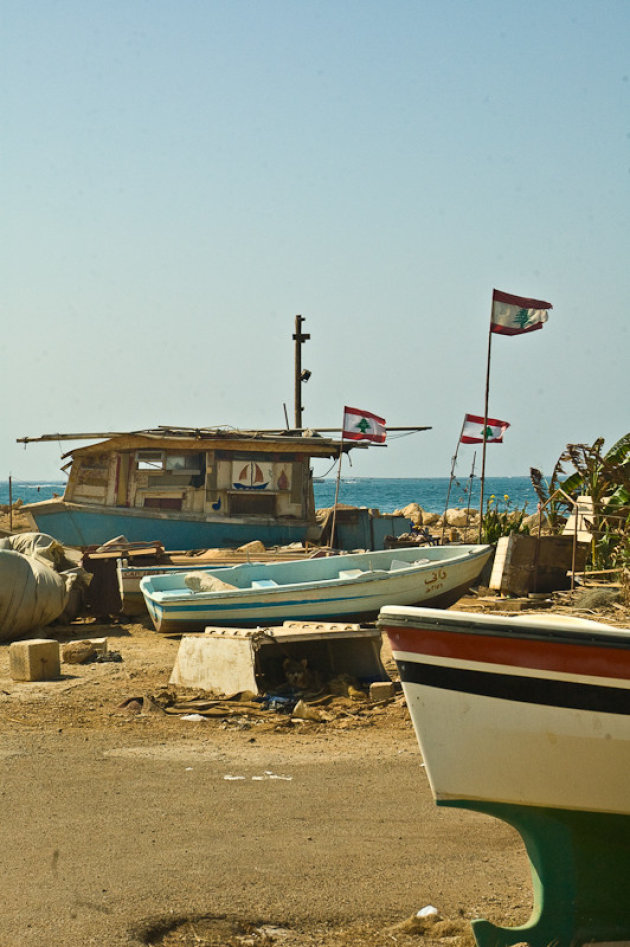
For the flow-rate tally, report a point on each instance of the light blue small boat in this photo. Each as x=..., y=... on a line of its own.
x=350, y=587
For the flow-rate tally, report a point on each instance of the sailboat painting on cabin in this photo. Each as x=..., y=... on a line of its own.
x=252, y=476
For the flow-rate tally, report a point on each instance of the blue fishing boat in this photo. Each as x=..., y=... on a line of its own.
x=348, y=587
x=187, y=488
x=130, y=575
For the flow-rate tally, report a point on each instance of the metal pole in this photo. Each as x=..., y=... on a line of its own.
x=450, y=482
x=299, y=337
x=485, y=431
x=574, y=548
x=470, y=486
x=334, y=516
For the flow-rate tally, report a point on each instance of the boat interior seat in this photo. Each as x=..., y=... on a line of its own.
x=263, y=583
x=175, y=593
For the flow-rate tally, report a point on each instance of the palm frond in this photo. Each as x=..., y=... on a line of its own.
x=619, y=453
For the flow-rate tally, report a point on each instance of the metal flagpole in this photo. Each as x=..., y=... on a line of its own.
x=485, y=429
x=334, y=517
x=470, y=486
x=450, y=483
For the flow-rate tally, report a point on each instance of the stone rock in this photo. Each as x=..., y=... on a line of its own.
x=431, y=519
x=382, y=690
x=457, y=517
x=79, y=652
x=414, y=513
x=254, y=546
x=133, y=707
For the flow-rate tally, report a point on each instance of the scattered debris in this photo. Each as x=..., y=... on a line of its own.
x=596, y=598
x=243, y=709
x=88, y=650
x=132, y=705
x=304, y=711
x=427, y=911
x=268, y=774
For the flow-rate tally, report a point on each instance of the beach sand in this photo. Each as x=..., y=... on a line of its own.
x=124, y=825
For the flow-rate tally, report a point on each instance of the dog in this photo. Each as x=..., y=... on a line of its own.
x=300, y=677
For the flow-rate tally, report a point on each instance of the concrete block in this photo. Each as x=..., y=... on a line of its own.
x=382, y=690
x=34, y=660
x=101, y=646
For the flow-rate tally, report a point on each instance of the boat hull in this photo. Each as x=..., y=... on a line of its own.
x=129, y=576
x=528, y=720
x=307, y=591
x=490, y=697
x=76, y=524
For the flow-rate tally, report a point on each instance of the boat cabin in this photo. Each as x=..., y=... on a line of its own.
x=230, y=477
x=189, y=488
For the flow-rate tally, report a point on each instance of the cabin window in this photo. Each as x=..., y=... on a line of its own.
x=150, y=460
x=252, y=504
x=184, y=463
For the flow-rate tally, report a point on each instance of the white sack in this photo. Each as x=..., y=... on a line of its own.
x=202, y=582
x=31, y=594
x=43, y=547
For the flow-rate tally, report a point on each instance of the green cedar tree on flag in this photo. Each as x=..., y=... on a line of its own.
x=472, y=431
x=363, y=426
x=514, y=315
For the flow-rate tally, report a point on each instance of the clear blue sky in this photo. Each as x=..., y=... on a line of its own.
x=179, y=179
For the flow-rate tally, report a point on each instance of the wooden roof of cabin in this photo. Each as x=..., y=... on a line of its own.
x=242, y=441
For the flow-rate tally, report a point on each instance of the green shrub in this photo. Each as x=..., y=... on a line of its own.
x=501, y=520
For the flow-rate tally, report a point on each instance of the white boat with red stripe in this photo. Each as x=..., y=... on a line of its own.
x=528, y=718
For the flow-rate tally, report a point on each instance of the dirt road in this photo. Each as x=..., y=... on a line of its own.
x=125, y=828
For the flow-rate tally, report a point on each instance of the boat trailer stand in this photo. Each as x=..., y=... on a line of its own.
x=580, y=866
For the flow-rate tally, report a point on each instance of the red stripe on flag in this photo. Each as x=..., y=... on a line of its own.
x=365, y=414
x=477, y=419
x=522, y=302
x=508, y=330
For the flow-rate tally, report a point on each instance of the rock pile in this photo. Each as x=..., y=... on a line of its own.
x=462, y=524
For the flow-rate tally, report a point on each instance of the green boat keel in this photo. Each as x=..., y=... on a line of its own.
x=580, y=866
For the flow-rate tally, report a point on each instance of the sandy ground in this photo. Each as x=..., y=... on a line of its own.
x=130, y=826
x=125, y=825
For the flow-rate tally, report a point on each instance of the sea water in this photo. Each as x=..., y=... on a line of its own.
x=30, y=491
x=431, y=493
x=382, y=493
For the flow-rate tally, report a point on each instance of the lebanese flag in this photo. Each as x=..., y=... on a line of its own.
x=472, y=431
x=363, y=426
x=514, y=315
